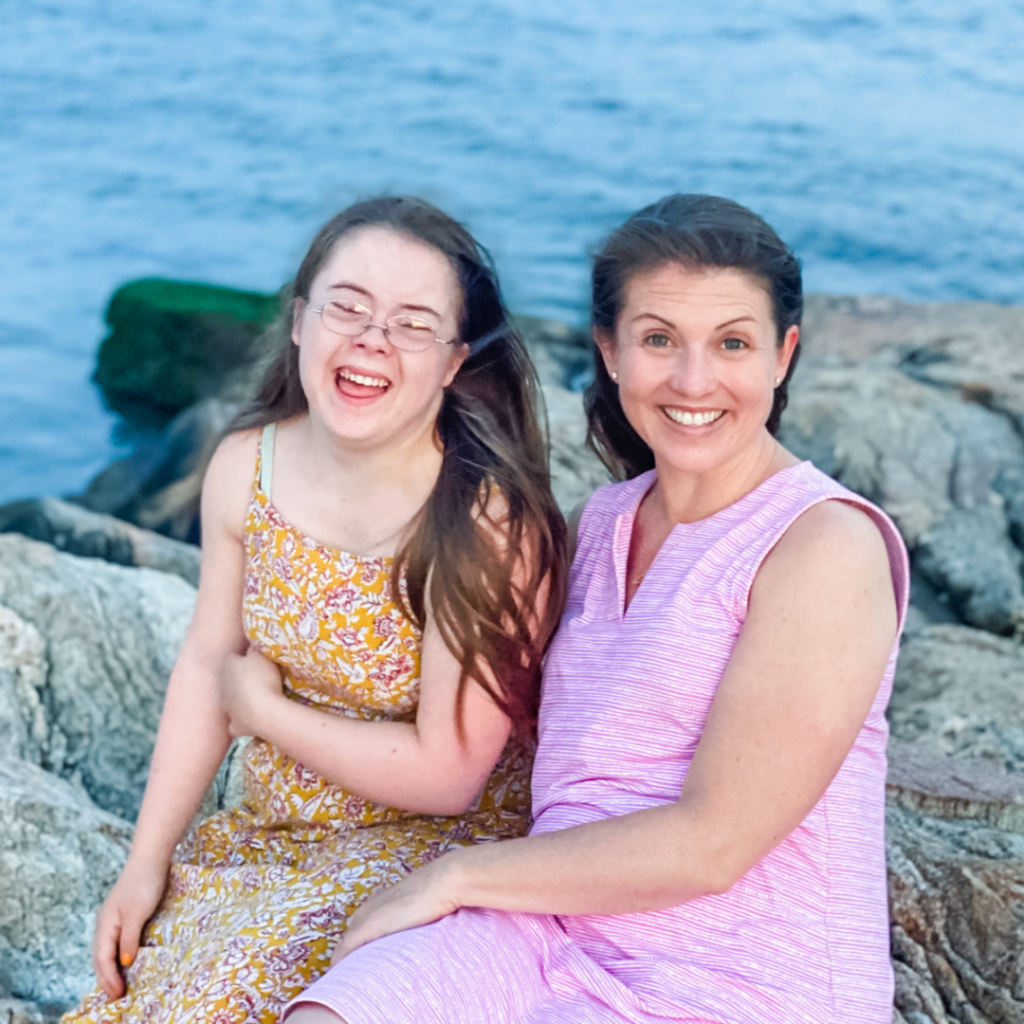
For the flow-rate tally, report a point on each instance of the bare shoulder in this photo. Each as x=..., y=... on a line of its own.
x=834, y=545
x=228, y=482
x=834, y=529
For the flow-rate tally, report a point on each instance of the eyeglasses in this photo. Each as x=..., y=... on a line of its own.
x=351, y=319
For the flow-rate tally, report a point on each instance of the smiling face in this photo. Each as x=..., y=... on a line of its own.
x=696, y=356
x=363, y=389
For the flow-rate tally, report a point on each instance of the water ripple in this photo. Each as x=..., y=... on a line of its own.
x=208, y=142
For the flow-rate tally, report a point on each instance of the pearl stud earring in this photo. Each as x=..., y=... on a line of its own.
x=778, y=381
x=615, y=376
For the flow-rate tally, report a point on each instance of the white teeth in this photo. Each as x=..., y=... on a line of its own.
x=693, y=419
x=359, y=378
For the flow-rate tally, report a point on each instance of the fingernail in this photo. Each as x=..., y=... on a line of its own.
x=127, y=959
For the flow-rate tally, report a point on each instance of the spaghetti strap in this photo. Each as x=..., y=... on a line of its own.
x=267, y=458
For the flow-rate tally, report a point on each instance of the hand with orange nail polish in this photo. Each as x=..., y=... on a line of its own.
x=120, y=922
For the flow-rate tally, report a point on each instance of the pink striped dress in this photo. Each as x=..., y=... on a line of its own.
x=802, y=937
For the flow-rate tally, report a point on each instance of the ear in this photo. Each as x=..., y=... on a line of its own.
x=784, y=353
x=298, y=312
x=459, y=352
x=609, y=351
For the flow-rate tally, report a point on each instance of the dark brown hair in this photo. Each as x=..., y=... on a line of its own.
x=695, y=231
x=494, y=449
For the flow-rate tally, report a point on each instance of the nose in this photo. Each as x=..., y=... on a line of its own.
x=374, y=336
x=693, y=373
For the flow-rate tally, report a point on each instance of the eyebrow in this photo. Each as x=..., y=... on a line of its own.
x=348, y=286
x=668, y=323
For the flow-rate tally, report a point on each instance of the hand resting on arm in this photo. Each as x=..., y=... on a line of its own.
x=421, y=766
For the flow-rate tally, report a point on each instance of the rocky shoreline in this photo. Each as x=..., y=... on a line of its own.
x=918, y=407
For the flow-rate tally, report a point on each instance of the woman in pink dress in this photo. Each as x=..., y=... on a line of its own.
x=708, y=838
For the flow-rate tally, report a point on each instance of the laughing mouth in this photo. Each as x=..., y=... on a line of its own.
x=363, y=379
x=693, y=419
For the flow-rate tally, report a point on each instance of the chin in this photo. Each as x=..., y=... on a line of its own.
x=699, y=456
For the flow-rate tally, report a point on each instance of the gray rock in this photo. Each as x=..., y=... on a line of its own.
x=20, y=1011
x=899, y=441
x=960, y=692
x=981, y=337
x=59, y=855
x=85, y=651
x=1009, y=484
x=968, y=555
x=935, y=463
x=112, y=635
x=877, y=432
x=564, y=360
x=563, y=355
x=955, y=788
x=956, y=902
x=955, y=832
x=24, y=731
x=576, y=472
x=158, y=486
x=977, y=354
x=77, y=530
x=920, y=408
x=228, y=786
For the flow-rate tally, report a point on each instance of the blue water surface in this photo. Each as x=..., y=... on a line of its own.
x=884, y=140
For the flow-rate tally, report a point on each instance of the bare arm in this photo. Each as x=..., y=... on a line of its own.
x=795, y=694
x=193, y=734
x=421, y=766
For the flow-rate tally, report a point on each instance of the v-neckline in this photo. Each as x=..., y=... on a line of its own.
x=626, y=521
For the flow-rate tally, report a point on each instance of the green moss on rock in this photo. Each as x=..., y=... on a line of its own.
x=174, y=342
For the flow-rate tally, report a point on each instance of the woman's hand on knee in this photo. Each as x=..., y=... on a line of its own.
x=119, y=925
x=424, y=896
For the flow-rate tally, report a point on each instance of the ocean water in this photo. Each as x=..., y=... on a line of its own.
x=883, y=138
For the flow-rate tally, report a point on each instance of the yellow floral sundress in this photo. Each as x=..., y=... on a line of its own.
x=259, y=894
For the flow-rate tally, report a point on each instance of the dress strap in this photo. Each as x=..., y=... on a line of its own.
x=267, y=458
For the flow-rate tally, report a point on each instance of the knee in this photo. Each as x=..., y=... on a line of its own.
x=311, y=1013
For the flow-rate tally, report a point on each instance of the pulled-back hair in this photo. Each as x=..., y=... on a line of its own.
x=696, y=232
x=494, y=451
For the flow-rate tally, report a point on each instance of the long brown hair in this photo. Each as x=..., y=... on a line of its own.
x=695, y=231
x=493, y=446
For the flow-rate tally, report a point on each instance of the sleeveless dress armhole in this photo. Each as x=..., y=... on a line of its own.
x=899, y=564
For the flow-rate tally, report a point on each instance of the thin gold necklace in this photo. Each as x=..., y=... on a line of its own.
x=637, y=578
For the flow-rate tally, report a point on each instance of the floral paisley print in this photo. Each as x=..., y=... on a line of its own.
x=259, y=894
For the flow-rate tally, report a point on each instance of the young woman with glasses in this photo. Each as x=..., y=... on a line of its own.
x=383, y=565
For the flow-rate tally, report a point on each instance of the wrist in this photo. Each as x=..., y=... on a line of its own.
x=147, y=862
x=454, y=870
